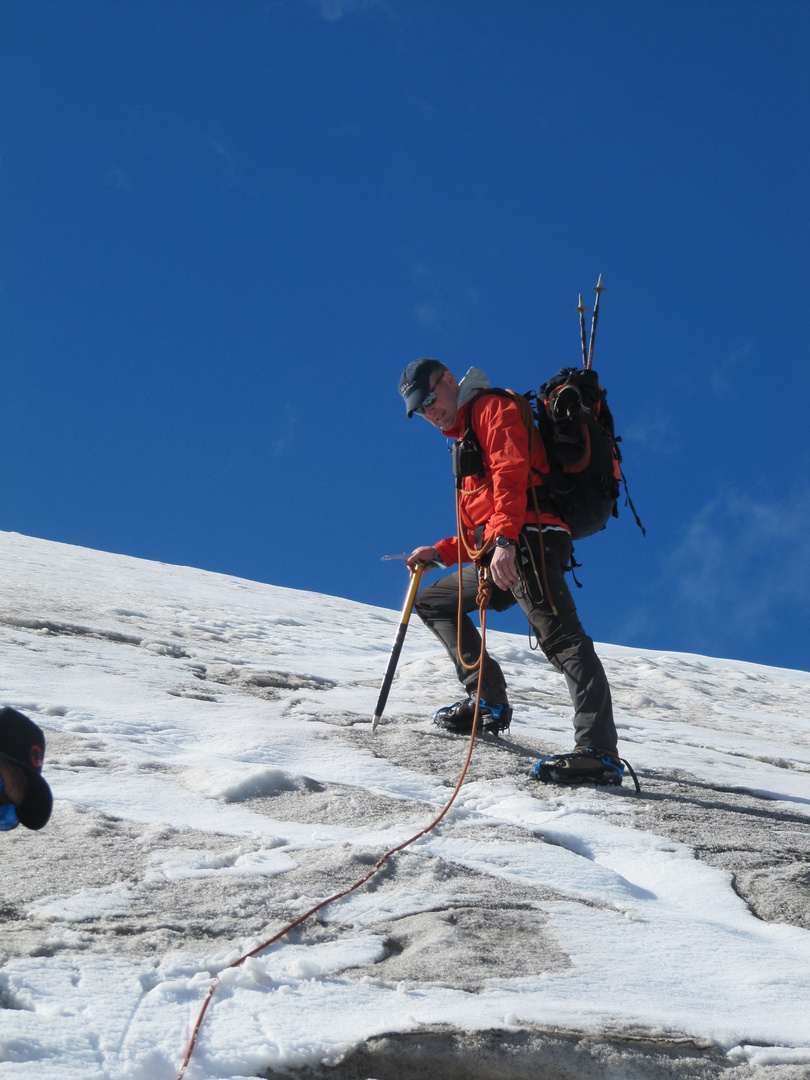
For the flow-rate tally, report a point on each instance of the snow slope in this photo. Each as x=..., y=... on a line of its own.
x=215, y=774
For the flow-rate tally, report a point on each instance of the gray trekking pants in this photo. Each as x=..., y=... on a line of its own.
x=561, y=636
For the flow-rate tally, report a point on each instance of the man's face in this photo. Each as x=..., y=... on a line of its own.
x=442, y=412
x=15, y=782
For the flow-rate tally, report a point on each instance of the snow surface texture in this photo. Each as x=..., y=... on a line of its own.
x=215, y=774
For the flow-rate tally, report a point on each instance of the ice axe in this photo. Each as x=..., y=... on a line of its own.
x=388, y=678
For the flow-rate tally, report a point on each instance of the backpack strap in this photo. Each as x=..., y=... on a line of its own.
x=468, y=454
x=629, y=502
x=468, y=460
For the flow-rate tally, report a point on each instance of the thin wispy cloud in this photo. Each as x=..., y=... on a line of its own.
x=119, y=179
x=334, y=10
x=225, y=160
x=285, y=431
x=738, y=576
x=743, y=565
x=723, y=373
x=217, y=150
x=654, y=432
x=446, y=295
x=427, y=315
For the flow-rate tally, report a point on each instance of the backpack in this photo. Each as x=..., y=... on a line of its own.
x=572, y=417
x=576, y=425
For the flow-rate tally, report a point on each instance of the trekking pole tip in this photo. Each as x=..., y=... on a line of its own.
x=599, y=287
x=581, y=309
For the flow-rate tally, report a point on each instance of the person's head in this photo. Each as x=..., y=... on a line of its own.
x=25, y=798
x=430, y=390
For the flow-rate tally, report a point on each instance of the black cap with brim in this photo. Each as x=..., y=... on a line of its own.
x=414, y=384
x=23, y=744
x=35, y=811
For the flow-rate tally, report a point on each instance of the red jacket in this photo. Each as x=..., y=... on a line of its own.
x=499, y=501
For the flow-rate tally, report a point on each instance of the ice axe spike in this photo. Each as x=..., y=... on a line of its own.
x=388, y=678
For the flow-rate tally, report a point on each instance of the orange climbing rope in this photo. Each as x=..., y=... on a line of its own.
x=483, y=596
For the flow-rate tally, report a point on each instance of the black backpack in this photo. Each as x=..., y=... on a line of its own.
x=572, y=417
x=585, y=472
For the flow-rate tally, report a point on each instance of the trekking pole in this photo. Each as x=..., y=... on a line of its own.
x=388, y=678
x=582, y=309
x=598, y=290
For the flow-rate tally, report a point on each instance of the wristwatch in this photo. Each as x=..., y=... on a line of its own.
x=504, y=541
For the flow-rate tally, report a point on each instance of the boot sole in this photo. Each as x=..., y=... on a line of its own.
x=553, y=776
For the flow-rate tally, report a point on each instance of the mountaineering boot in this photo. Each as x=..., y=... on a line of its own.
x=580, y=766
x=458, y=718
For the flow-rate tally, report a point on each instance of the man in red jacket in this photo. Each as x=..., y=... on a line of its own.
x=497, y=515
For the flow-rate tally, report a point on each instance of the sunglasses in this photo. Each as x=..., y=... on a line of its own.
x=431, y=397
x=8, y=813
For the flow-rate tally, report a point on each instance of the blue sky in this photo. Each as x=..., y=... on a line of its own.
x=225, y=227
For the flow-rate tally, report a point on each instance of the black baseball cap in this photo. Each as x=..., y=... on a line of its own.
x=414, y=385
x=23, y=743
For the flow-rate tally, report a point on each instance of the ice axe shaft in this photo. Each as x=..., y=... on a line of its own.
x=388, y=678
